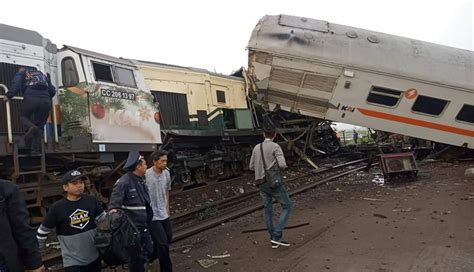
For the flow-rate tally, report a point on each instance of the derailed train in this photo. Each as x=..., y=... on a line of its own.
x=298, y=67
x=107, y=106
x=366, y=78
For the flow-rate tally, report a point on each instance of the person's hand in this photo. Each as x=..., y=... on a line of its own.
x=39, y=269
x=5, y=98
x=113, y=211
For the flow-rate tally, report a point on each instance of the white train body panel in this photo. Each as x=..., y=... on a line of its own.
x=364, y=78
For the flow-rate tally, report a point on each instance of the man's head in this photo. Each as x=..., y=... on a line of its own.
x=269, y=133
x=74, y=183
x=159, y=159
x=135, y=164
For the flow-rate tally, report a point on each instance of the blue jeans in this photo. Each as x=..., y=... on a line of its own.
x=281, y=195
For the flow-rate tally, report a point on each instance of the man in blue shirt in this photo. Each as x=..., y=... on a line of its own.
x=37, y=91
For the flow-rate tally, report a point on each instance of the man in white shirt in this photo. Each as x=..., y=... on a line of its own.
x=158, y=181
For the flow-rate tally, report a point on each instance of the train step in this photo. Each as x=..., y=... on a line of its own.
x=30, y=172
x=29, y=155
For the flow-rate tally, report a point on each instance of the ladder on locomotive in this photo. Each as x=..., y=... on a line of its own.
x=24, y=163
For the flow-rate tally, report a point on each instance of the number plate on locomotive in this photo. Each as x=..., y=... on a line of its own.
x=117, y=94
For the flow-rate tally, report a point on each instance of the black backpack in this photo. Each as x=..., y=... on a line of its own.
x=115, y=237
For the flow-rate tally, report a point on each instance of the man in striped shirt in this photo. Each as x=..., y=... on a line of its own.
x=74, y=218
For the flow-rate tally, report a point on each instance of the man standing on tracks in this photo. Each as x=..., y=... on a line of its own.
x=272, y=154
x=74, y=218
x=37, y=93
x=18, y=245
x=131, y=195
x=158, y=181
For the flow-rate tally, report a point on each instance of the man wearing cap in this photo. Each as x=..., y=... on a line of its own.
x=131, y=195
x=75, y=218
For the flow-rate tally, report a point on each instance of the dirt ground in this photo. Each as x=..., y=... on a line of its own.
x=355, y=224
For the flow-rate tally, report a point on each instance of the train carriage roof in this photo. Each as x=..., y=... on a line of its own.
x=182, y=68
x=345, y=46
x=99, y=55
x=21, y=35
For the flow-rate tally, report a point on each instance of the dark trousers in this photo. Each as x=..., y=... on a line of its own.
x=92, y=267
x=141, y=254
x=34, y=115
x=162, y=235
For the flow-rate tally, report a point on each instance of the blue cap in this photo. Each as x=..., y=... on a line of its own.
x=132, y=160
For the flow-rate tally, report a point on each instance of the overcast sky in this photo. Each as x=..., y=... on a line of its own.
x=214, y=34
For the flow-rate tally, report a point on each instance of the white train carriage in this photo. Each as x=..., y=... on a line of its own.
x=365, y=78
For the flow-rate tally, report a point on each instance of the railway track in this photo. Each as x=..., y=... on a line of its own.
x=213, y=214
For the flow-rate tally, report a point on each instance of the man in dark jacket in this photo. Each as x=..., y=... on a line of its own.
x=37, y=91
x=18, y=247
x=131, y=195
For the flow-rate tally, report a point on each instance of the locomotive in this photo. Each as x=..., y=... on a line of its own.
x=108, y=106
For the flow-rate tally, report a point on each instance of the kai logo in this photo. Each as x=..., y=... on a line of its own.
x=79, y=219
x=348, y=108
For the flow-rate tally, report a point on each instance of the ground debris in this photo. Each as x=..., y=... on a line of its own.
x=402, y=210
x=224, y=255
x=380, y=215
x=206, y=263
x=372, y=199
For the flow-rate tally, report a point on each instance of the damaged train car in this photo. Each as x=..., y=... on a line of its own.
x=366, y=78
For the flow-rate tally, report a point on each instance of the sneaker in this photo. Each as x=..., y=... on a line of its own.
x=280, y=242
x=274, y=245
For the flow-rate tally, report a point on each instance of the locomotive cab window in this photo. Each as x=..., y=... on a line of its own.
x=102, y=72
x=429, y=105
x=125, y=77
x=466, y=114
x=384, y=96
x=69, y=72
x=220, y=96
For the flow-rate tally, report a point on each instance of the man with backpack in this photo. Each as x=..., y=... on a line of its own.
x=18, y=246
x=130, y=194
x=37, y=92
x=158, y=181
x=74, y=218
x=267, y=159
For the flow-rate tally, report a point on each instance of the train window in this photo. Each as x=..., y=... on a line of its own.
x=125, y=77
x=220, y=96
x=466, y=114
x=102, y=72
x=69, y=72
x=384, y=96
x=429, y=105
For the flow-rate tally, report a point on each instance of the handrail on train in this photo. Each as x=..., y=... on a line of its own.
x=9, y=119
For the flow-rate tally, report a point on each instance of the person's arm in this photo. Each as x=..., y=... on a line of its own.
x=117, y=196
x=47, y=226
x=51, y=89
x=280, y=157
x=99, y=212
x=17, y=84
x=252, y=160
x=23, y=233
x=168, y=193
